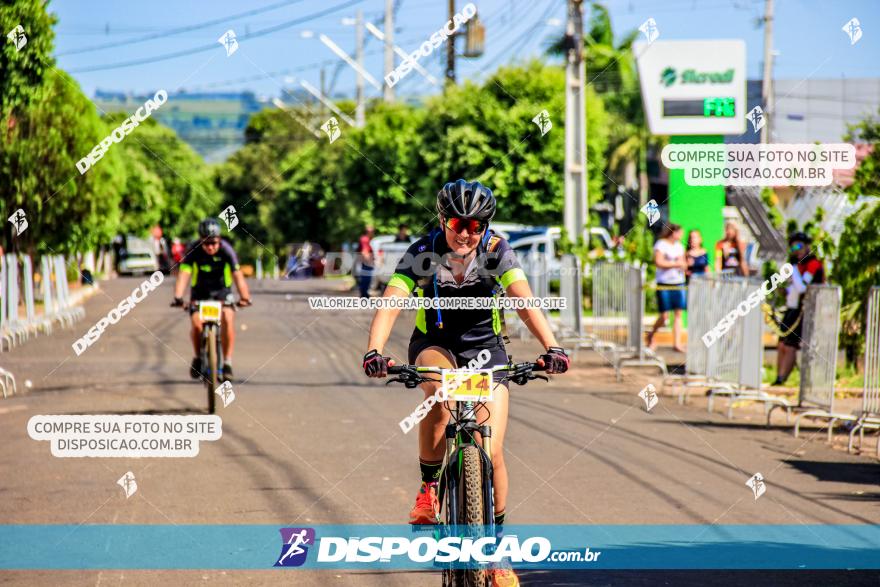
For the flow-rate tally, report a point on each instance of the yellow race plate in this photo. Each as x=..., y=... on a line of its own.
x=468, y=385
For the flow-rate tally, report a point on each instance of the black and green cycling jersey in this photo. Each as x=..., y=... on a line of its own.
x=424, y=271
x=210, y=273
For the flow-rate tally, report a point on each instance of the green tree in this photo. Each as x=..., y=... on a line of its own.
x=23, y=72
x=67, y=211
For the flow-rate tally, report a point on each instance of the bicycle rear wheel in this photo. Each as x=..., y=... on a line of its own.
x=212, y=381
x=470, y=512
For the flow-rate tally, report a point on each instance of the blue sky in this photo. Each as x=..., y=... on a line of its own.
x=808, y=37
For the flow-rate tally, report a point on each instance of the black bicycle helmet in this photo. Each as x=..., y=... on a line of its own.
x=209, y=227
x=799, y=237
x=466, y=199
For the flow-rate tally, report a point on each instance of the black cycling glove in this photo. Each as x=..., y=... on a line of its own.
x=555, y=360
x=375, y=365
x=177, y=303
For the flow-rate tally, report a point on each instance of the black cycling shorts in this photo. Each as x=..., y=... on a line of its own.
x=792, y=321
x=220, y=295
x=462, y=354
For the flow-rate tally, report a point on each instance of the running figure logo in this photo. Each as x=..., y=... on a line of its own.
x=226, y=394
x=543, y=121
x=331, y=127
x=19, y=39
x=230, y=217
x=853, y=30
x=757, y=118
x=649, y=395
x=19, y=221
x=294, y=547
x=650, y=30
x=756, y=483
x=229, y=42
x=128, y=484
x=652, y=211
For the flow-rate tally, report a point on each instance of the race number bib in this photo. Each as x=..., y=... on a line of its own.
x=210, y=311
x=468, y=385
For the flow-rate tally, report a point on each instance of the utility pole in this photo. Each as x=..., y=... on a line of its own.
x=359, y=39
x=450, y=49
x=575, y=125
x=389, y=49
x=767, y=84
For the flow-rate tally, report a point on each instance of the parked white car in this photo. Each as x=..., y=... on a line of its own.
x=388, y=253
x=137, y=257
x=546, y=243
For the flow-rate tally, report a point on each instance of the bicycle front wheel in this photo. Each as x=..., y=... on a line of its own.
x=212, y=380
x=470, y=511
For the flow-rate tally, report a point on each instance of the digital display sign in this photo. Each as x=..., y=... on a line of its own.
x=702, y=107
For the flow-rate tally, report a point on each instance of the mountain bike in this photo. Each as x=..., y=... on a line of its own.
x=211, y=353
x=466, y=492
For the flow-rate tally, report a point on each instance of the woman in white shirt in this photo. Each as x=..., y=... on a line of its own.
x=671, y=262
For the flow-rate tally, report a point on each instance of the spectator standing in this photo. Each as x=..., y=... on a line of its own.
x=697, y=257
x=807, y=270
x=730, y=252
x=671, y=262
x=402, y=234
x=365, y=256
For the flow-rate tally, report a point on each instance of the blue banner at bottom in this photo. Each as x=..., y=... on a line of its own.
x=406, y=547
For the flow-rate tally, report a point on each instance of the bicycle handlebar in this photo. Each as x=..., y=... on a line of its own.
x=412, y=375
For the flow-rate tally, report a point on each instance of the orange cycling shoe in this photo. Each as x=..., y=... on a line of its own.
x=504, y=578
x=427, y=508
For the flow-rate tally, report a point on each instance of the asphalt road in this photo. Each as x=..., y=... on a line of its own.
x=309, y=440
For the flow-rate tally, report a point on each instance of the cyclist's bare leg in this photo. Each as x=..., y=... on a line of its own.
x=196, y=333
x=227, y=333
x=432, y=429
x=497, y=415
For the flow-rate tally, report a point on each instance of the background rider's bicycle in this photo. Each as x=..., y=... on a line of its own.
x=466, y=492
x=211, y=353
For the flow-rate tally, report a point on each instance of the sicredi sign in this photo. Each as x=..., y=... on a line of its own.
x=693, y=87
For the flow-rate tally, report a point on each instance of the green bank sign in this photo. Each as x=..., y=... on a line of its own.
x=691, y=76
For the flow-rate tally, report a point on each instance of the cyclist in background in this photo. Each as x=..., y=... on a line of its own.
x=211, y=266
x=465, y=260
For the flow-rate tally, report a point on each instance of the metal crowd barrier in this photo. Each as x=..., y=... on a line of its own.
x=702, y=317
x=870, y=412
x=535, y=267
x=571, y=290
x=259, y=270
x=57, y=307
x=818, y=366
x=618, y=310
x=735, y=362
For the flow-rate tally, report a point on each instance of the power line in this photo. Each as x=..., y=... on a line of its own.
x=178, y=30
x=213, y=46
